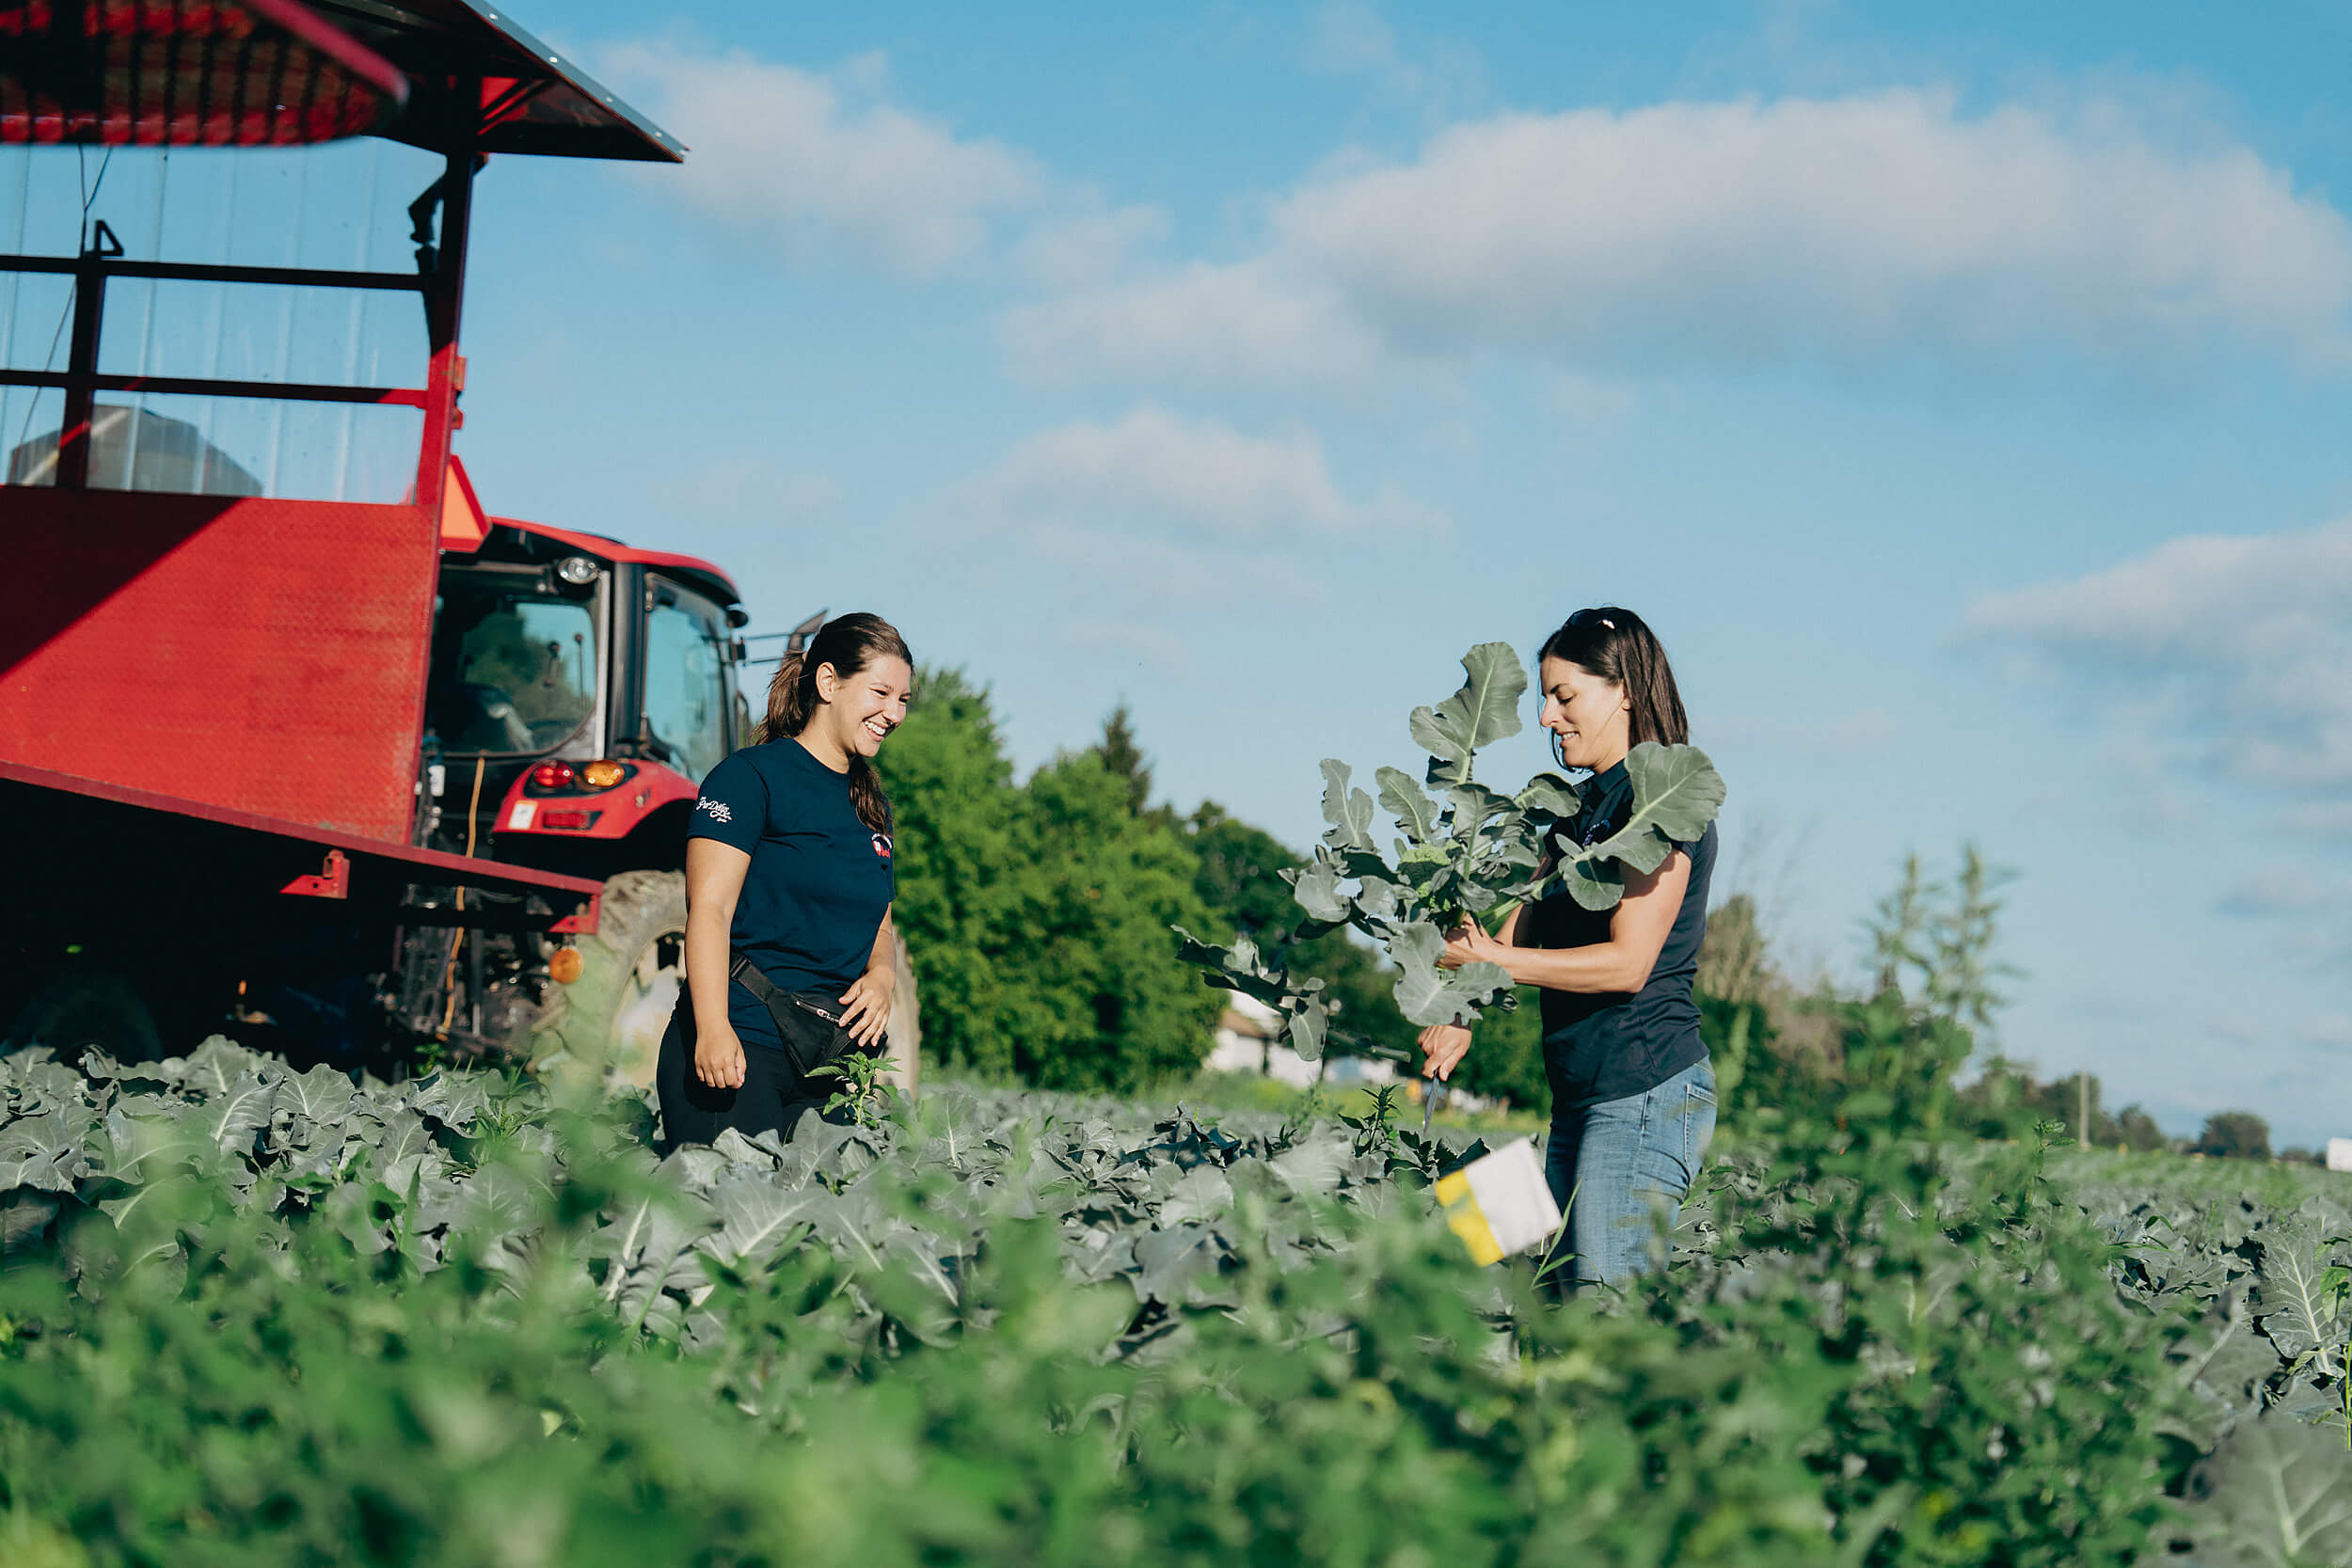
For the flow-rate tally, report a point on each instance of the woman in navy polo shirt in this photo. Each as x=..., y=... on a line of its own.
x=787, y=891
x=1633, y=1089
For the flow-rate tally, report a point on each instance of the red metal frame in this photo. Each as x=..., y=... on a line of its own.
x=343, y=850
x=331, y=880
x=275, y=650
x=268, y=656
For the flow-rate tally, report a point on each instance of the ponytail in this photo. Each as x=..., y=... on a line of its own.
x=1618, y=646
x=849, y=643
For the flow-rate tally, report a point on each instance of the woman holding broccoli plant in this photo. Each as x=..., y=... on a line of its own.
x=790, y=951
x=1633, y=1091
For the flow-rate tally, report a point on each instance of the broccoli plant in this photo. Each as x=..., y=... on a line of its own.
x=1463, y=852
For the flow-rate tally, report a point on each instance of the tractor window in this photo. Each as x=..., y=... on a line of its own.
x=513, y=667
x=687, y=693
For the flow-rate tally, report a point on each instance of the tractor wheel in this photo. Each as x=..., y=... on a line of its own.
x=606, y=1026
x=84, y=1006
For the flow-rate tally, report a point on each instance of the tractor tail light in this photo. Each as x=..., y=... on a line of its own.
x=602, y=775
x=563, y=965
x=551, y=776
x=574, y=820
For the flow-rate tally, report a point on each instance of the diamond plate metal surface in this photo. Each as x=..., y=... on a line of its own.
x=267, y=655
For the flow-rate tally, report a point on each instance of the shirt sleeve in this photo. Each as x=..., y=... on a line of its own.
x=732, y=807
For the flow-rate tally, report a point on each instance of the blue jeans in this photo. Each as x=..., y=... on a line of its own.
x=1615, y=1166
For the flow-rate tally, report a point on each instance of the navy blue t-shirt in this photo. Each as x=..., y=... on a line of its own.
x=820, y=881
x=1603, y=1046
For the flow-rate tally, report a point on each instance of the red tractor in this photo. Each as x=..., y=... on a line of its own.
x=358, y=777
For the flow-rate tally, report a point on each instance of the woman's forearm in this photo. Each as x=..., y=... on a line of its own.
x=1602, y=968
x=708, y=928
x=885, y=958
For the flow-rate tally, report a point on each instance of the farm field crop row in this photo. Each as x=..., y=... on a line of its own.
x=265, y=1317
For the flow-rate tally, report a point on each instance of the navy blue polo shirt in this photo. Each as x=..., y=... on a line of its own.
x=1603, y=1046
x=820, y=881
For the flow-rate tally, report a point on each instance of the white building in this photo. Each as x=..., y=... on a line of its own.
x=1249, y=1040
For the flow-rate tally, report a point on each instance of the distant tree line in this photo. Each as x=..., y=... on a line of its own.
x=1931, y=949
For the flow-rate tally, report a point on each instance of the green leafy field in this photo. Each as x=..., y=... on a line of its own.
x=257, y=1317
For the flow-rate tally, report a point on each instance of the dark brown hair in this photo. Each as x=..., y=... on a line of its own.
x=1618, y=646
x=850, y=643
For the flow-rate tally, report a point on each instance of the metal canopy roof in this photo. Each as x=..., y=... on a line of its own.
x=447, y=75
x=532, y=98
x=187, y=73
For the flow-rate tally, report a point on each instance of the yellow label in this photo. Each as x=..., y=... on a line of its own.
x=1467, y=1220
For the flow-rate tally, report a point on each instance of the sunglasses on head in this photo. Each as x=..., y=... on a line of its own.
x=1591, y=618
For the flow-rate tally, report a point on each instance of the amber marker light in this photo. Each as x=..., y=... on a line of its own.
x=602, y=775
x=563, y=965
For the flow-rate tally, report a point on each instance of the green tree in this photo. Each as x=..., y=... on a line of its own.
x=2235, y=1136
x=958, y=857
x=1110, y=1005
x=1123, y=759
x=1899, y=929
x=1239, y=879
x=1036, y=915
x=2136, y=1129
x=1772, y=1045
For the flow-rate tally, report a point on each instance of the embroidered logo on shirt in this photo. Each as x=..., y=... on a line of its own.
x=718, y=809
x=882, y=844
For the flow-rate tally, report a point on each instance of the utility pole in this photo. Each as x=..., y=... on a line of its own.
x=2082, y=1121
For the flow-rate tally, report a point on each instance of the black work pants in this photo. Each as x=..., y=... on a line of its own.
x=772, y=1097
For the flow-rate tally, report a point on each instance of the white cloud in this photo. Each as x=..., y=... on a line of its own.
x=1142, y=575
x=1248, y=322
x=1742, y=232
x=1349, y=38
x=2231, y=653
x=1198, y=475
x=2283, y=891
x=2247, y=595
x=817, y=164
x=1152, y=531
x=1089, y=246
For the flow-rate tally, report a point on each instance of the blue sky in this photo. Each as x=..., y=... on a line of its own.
x=1960, y=394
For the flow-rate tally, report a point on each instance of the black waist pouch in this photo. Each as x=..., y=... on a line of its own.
x=812, y=1032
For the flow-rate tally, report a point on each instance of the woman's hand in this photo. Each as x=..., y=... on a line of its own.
x=1469, y=943
x=1441, y=1046
x=719, y=1056
x=865, y=1005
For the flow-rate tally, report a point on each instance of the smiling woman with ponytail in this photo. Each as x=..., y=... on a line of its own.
x=788, y=940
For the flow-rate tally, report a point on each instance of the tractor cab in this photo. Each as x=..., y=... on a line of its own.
x=579, y=690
